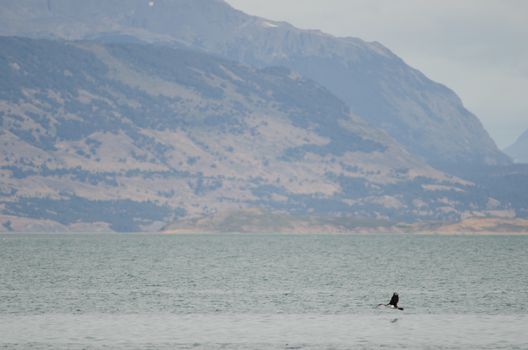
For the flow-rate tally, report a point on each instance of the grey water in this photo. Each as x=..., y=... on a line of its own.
x=144, y=291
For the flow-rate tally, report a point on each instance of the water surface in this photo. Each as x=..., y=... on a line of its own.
x=262, y=292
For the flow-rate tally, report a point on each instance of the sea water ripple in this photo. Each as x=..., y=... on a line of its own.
x=262, y=292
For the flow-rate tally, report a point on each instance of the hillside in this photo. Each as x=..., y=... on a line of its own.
x=131, y=137
x=518, y=151
x=424, y=116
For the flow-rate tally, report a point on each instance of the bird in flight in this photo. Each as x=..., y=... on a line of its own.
x=393, y=303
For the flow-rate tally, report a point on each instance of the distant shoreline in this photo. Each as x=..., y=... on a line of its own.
x=257, y=224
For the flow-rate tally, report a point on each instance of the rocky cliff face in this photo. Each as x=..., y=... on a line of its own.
x=518, y=151
x=130, y=137
x=426, y=117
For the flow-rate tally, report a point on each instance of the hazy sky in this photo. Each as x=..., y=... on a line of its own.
x=478, y=48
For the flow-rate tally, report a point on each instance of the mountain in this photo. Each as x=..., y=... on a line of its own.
x=130, y=137
x=424, y=116
x=518, y=151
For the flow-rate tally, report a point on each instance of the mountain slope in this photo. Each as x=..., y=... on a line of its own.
x=130, y=137
x=518, y=151
x=426, y=117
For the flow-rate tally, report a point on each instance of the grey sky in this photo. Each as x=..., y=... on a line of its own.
x=479, y=48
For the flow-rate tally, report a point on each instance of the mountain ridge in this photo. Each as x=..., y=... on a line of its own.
x=135, y=137
x=191, y=116
x=424, y=116
x=518, y=151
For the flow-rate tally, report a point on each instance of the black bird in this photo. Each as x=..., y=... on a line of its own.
x=394, y=300
x=393, y=303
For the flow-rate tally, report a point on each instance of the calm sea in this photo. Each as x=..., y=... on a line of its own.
x=262, y=292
